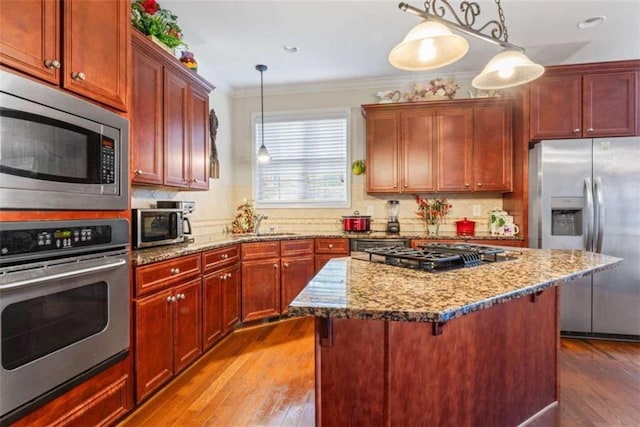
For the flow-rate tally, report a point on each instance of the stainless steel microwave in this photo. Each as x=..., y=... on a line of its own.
x=58, y=151
x=155, y=227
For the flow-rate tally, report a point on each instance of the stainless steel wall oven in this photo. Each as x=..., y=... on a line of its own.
x=58, y=151
x=64, y=307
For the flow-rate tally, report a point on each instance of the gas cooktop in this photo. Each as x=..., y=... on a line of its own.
x=439, y=256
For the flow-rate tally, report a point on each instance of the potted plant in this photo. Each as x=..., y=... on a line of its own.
x=158, y=23
x=432, y=212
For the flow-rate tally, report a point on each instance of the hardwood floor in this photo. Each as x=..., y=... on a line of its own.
x=264, y=376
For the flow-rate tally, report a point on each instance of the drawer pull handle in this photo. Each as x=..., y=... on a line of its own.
x=275, y=265
x=171, y=299
x=52, y=63
x=79, y=76
x=137, y=172
x=175, y=271
x=330, y=245
x=181, y=296
x=576, y=131
x=286, y=265
x=479, y=184
x=228, y=275
x=224, y=256
x=590, y=130
x=466, y=184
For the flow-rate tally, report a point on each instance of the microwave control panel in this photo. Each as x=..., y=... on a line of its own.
x=108, y=161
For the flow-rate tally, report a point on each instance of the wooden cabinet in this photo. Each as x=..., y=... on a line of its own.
x=451, y=146
x=329, y=248
x=168, y=321
x=221, y=294
x=297, y=267
x=260, y=280
x=59, y=42
x=170, y=110
x=586, y=101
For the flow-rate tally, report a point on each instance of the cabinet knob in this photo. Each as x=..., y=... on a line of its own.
x=52, y=63
x=395, y=185
x=479, y=184
x=224, y=256
x=175, y=271
x=78, y=76
x=137, y=172
x=466, y=184
x=590, y=130
x=330, y=245
x=406, y=185
x=286, y=265
x=576, y=131
x=275, y=265
x=223, y=277
x=171, y=299
x=194, y=180
x=228, y=276
x=181, y=296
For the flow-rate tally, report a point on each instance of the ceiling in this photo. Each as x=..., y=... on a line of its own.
x=349, y=40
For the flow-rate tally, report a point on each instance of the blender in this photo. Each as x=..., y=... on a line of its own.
x=393, y=226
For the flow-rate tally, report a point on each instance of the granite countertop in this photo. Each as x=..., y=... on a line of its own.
x=357, y=289
x=205, y=242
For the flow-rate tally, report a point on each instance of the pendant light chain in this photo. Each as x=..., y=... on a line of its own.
x=504, y=26
x=262, y=106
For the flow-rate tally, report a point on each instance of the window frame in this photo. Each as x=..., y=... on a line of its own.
x=320, y=114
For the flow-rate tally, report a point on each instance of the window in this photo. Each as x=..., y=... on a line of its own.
x=309, y=159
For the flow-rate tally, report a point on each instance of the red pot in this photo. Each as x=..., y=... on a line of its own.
x=465, y=227
x=356, y=223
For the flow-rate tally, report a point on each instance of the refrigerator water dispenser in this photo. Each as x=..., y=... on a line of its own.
x=566, y=216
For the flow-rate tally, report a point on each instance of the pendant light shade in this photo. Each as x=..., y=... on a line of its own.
x=427, y=46
x=263, y=154
x=506, y=69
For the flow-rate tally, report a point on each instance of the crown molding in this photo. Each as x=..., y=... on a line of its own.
x=348, y=84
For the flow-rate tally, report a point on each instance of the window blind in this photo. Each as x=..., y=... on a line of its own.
x=308, y=164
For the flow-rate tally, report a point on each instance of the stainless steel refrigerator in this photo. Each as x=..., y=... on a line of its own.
x=585, y=194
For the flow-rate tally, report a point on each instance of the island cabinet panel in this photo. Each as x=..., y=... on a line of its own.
x=297, y=267
x=260, y=280
x=57, y=41
x=328, y=248
x=493, y=367
x=586, y=101
x=354, y=370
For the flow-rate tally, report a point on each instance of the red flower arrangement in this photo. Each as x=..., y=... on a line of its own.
x=432, y=212
x=148, y=17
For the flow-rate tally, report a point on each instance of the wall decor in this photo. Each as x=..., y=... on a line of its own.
x=214, y=164
x=434, y=90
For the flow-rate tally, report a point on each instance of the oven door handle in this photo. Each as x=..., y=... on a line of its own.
x=64, y=275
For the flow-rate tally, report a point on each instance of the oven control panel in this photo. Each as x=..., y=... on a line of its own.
x=23, y=241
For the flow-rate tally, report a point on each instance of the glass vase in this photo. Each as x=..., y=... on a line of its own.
x=432, y=230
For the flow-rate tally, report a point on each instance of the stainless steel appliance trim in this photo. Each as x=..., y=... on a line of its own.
x=588, y=196
x=73, y=271
x=597, y=184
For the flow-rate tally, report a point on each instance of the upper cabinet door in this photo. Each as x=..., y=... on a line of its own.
x=147, y=113
x=199, y=155
x=493, y=147
x=96, y=43
x=29, y=37
x=609, y=103
x=382, y=152
x=418, y=149
x=455, y=149
x=176, y=147
x=556, y=107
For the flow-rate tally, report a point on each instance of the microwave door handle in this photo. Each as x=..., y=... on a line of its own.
x=188, y=225
x=588, y=195
x=599, y=201
x=64, y=275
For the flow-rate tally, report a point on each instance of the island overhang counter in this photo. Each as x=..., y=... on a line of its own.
x=474, y=346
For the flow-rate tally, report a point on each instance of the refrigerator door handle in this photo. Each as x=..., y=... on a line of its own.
x=588, y=196
x=599, y=201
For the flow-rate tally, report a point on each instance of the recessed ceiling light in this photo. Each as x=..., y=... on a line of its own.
x=289, y=49
x=591, y=22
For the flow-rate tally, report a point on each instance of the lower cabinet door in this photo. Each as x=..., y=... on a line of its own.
x=231, y=298
x=296, y=273
x=260, y=289
x=153, y=342
x=212, y=308
x=187, y=323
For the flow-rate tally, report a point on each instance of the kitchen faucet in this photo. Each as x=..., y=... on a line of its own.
x=257, y=219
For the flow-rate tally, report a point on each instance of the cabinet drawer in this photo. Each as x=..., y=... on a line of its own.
x=260, y=250
x=296, y=247
x=150, y=278
x=332, y=246
x=219, y=258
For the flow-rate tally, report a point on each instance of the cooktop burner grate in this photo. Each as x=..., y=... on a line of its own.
x=437, y=256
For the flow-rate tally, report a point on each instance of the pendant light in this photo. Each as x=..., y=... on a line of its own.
x=263, y=153
x=431, y=44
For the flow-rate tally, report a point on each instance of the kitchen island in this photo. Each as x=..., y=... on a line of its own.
x=474, y=346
